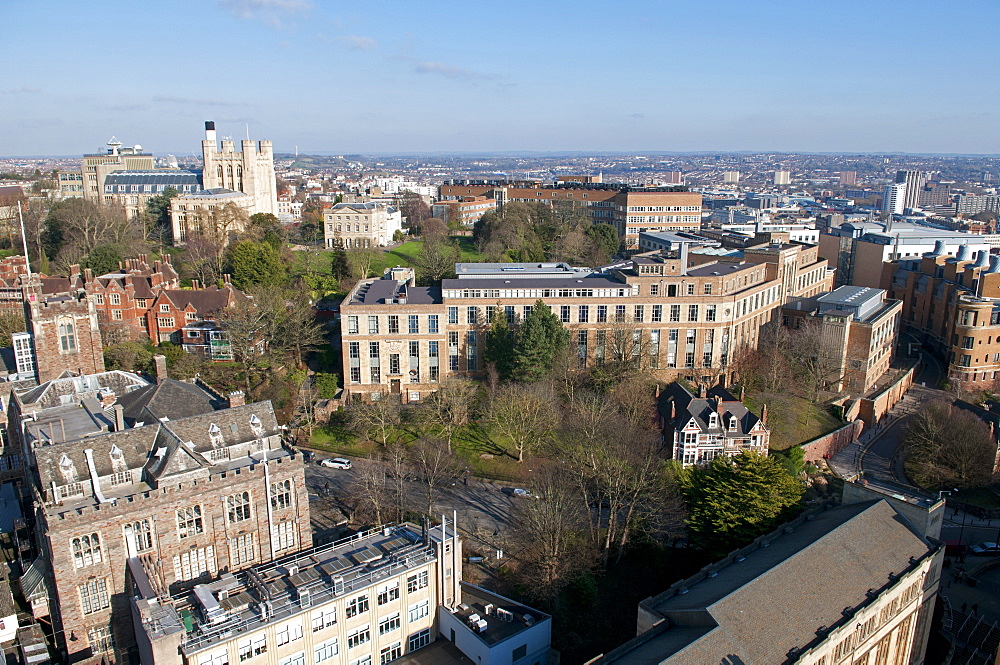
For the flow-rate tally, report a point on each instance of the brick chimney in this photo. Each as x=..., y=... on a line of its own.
x=743, y=393
x=718, y=407
x=119, y=417
x=195, y=285
x=763, y=414
x=237, y=398
x=160, y=363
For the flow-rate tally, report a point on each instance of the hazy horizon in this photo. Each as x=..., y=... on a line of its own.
x=448, y=78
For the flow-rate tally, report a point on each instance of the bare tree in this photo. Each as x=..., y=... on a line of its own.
x=435, y=466
x=204, y=257
x=815, y=358
x=765, y=367
x=399, y=468
x=547, y=535
x=525, y=414
x=245, y=324
x=949, y=447
x=450, y=407
x=376, y=420
x=362, y=260
x=368, y=495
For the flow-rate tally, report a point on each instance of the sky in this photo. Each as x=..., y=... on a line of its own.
x=413, y=76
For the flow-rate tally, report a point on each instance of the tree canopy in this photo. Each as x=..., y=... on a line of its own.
x=735, y=499
x=540, y=339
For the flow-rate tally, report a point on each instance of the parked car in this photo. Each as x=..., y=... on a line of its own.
x=336, y=463
x=516, y=491
x=985, y=549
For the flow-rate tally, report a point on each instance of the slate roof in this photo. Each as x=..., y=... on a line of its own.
x=205, y=301
x=379, y=290
x=689, y=406
x=167, y=399
x=812, y=573
x=162, y=177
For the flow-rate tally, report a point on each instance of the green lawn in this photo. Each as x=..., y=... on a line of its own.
x=793, y=420
x=983, y=497
x=402, y=255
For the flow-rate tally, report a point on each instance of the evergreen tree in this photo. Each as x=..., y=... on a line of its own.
x=735, y=499
x=539, y=341
x=253, y=262
x=499, y=345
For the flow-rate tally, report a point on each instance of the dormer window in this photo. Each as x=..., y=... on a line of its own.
x=256, y=426
x=67, y=468
x=713, y=420
x=118, y=464
x=732, y=422
x=215, y=435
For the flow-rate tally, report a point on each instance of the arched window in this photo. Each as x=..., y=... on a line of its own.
x=238, y=506
x=86, y=550
x=220, y=173
x=229, y=173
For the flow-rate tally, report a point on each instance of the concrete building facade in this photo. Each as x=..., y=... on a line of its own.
x=375, y=597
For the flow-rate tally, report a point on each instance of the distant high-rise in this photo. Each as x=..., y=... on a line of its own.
x=731, y=177
x=782, y=177
x=914, y=181
x=848, y=178
x=673, y=178
x=894, y=198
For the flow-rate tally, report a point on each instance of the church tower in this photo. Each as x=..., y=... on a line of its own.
x=251, y=170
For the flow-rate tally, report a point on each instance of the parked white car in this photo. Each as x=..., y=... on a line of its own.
x=336, y=463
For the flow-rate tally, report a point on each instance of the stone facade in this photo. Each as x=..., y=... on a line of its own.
x=366, y=224
x=251, y=170
x=162, y=478
x=65, y=335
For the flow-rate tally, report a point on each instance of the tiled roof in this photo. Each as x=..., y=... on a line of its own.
x=167, y=399
x=700, y=409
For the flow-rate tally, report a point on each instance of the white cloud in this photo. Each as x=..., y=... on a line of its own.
x=358, y=42
x=266, y=10
x=451, y=72
x=172, y=99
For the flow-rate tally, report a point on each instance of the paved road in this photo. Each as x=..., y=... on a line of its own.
x=481, y=506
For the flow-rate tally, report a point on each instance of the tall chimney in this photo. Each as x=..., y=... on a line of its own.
x=119, y=417
x=237, y=398
x=763, y=415
x=160, y=362
x=743, y=393
x=210, y=131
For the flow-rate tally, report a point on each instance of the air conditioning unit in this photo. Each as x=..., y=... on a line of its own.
x=489, y=608
x=292, y=569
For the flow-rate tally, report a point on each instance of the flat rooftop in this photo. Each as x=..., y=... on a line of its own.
x=514, y=618
x=518, y=270
x=715, y=269
x=296, y=584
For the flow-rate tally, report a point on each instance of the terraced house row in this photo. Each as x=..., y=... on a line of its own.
x=684, y=314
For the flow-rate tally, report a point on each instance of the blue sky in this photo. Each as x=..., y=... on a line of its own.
x=416, y=76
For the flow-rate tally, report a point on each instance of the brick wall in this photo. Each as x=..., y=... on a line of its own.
x=830, y=444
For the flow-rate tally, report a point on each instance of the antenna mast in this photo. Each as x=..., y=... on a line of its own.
x=24, y=238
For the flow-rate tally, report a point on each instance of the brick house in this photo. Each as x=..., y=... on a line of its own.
x=697, y=429
x=161, y=478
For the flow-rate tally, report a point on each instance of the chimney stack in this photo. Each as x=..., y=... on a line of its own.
x=743, y=393
x=160, y=363
x=763, y=415
x=237, y=398
x=119, y=417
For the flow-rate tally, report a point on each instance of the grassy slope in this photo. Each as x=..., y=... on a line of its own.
x=793, y=420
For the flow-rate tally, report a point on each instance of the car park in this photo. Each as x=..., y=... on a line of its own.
x=336, y=463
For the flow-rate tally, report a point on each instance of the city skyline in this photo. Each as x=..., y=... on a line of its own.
x=406, y=78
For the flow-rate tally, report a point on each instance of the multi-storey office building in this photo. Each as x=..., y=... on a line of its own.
x=858, y=327
x=133, y=189
x=952, y=304
x=881, y=578
x=96, y=167
x=630, y=210
x=170, y=481
x=681, y=320
x=371, y=598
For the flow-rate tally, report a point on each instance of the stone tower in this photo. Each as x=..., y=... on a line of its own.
x=251, y=170
x=65, y=335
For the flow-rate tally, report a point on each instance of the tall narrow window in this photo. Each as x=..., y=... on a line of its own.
x=67, y=337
